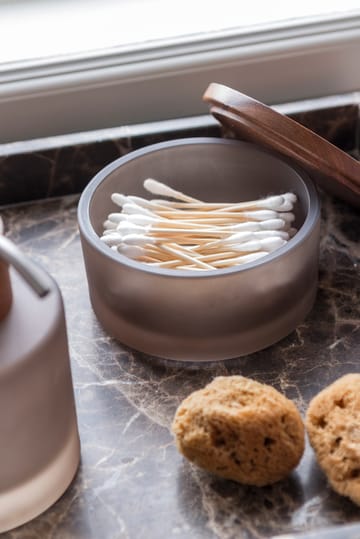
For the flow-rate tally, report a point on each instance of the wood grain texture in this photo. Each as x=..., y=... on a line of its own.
x=331, y=168
x=5, y=290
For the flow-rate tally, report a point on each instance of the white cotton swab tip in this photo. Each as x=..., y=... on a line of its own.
x=270, y=244
x=115, y=217
x=119, y=199
x=291, y=197
x=132, y=251
x=272, y=224
x=137, y=219
x=271, y=203
x=131, y=208
x=138, y=239
x=126, y=228
x=109, y=225
x=111, y=239
x=260, y=215
x=285, y=206
x=288, y=217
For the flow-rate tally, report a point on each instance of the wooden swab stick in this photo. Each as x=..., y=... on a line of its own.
x=190, y=267
x=282, y=202
x=271, y=203
x=245, y=259
x=141, y=239
x=156, y=254
x=173, y=263
x=222, y=264
x=186, y=257
x=218, y=256
x=257, y=215
x=239, y=259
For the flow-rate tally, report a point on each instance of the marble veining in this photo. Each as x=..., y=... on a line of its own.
x=63, y=165
x=132, y=483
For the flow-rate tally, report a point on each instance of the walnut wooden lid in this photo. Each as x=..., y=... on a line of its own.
x=331, y=168
x=5, y=284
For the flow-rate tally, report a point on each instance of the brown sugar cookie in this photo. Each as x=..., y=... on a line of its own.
x=240, y=429
x=333, y=426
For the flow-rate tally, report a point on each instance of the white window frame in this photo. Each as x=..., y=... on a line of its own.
x=116, y=87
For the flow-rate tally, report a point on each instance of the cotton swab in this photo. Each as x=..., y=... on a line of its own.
x=132, y=208
x=119, y=199
x=256, y=215
x=147, y=220
x=130, y=228
x=187, y=233
x=140, y=219
x=283, y=202
x=158, y=188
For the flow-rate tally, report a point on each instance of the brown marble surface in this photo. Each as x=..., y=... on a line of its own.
x=132, y=483
x=63, y=165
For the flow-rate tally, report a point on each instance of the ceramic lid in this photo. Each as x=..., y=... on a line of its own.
x=331, y=168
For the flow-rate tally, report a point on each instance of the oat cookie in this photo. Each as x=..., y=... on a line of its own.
x=333, y=426
x=240, y=429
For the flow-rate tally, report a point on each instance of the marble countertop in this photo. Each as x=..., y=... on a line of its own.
x=132, y=482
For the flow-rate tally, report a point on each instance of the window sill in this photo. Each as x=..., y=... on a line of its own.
x=122, y=87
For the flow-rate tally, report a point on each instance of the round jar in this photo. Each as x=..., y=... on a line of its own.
x=210, y=315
